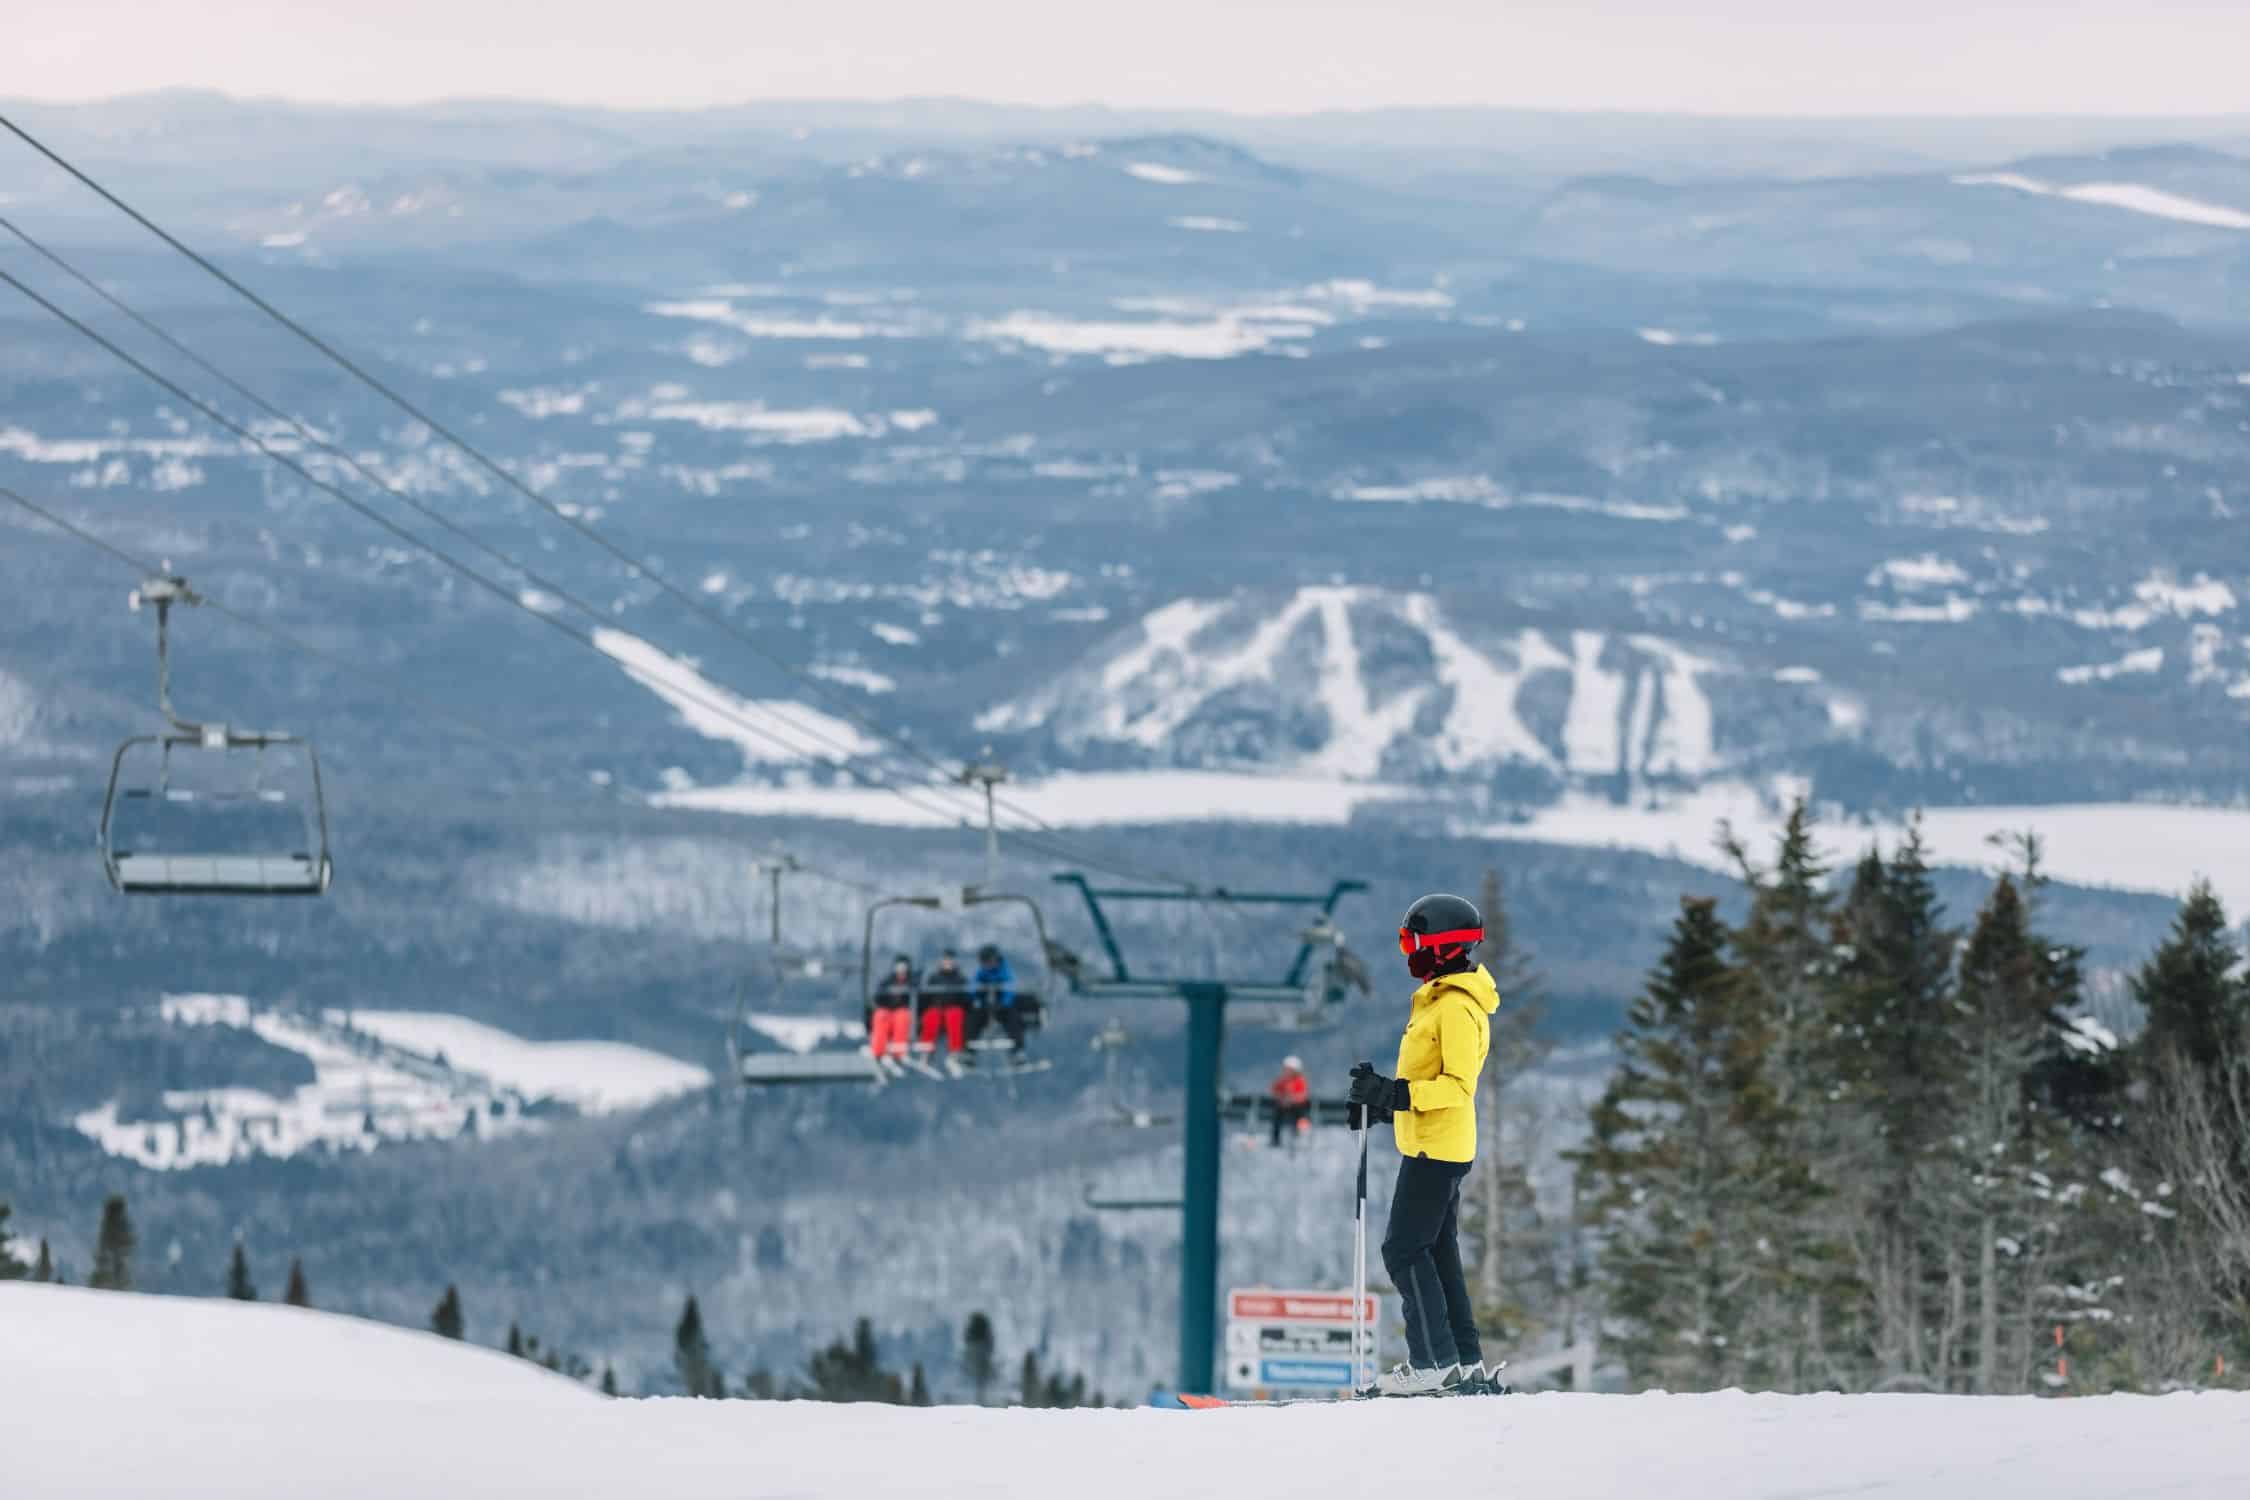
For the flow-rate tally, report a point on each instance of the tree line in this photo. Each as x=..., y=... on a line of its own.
x=1849, y=1145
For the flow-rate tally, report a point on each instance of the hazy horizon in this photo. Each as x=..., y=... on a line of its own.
x=1761, y=59
x=975, y=101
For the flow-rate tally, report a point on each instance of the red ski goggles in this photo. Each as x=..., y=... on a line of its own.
x=1409, y=941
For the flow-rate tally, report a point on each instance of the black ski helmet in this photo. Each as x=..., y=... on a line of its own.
x=1439, y=932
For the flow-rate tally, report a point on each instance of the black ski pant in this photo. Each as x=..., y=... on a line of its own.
x=1422, y=1251
x=1011, y=1022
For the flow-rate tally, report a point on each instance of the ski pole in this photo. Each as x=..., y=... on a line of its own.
x=1359, y=1249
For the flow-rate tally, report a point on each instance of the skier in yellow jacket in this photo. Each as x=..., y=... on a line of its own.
x=1432, y=1106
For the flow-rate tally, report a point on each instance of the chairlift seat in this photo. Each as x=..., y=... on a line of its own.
x=219, y=874
x=305, y=871
x=809, y=1067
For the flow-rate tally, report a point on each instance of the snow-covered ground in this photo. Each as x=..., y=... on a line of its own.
x=2133, y=197
x=378, y=1077
x=595, y=1077
x=360, y=1097
x=1637, y=706
x=767, y=732
x=2156, y=848
x=111, y=1395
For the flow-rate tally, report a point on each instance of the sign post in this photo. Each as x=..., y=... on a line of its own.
x=1300, y=1343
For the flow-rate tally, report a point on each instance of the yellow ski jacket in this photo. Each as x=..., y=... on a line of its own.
x=1443, y=1051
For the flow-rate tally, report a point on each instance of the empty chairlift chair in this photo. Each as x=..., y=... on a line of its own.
x=204, y=809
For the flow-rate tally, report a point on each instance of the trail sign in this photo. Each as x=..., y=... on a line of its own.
x=1297, y=1341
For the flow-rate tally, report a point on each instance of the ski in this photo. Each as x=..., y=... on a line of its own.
x=1489, y=1385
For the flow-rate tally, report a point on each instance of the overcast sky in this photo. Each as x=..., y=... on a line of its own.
x=1714, y=56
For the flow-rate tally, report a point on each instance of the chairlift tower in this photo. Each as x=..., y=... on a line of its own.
x=987, y=773
x=1207, y=1002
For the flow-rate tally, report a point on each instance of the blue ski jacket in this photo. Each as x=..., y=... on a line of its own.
x=996, y=985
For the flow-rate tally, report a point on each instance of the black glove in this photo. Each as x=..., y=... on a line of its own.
x=1385, y=1095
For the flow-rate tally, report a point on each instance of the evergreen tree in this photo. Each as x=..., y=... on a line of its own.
x=918, y=1390
x=515, y=1341
x=113, y=1248
x=297, y=1295
x=2196, y=1004
x=43, y=1269
x=853, y=1371
x=609, y=1380
x=1516, y=1272
x=1676, y=1169
x=445, y=1319
x=1786, y=952
x=2013, y=987
x=1892, y=1066
x=1029, y=1389
x=12, y=1267
x=2185, y=1260
x=979, y=1354
x=691, y=1354
x=239, y=1285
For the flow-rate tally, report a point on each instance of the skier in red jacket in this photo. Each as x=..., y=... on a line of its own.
x=1292, y=1099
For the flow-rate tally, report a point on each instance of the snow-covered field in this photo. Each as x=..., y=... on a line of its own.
x=2157, y=848
x=595, y=1077
x=378, y=1076
x=111, y=1395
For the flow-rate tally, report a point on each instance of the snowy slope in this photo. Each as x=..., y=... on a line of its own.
x=596, y=1077
x=112, y=1396
x=1358, y=683
x=70, y=1348
x=378, y=1077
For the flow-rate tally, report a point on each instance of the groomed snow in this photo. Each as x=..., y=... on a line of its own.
x=1089, y=799
x=2149, y=847
x=151, y=1358
x=361, y=1097
x=1170, y=673
x=1150, y=171
x=783, y=732
x=2131, y=196
x=2153, y=848
x=596, y=1077
x=2132, y=664
x=1224, y=336
x=113, y=1396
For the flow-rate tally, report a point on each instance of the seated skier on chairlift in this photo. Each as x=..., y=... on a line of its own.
x=890, y=1016
x=945, y=1009
x=1291, y=1094
x=996, y=998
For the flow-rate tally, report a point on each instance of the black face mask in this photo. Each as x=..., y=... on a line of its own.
x=1422, y=962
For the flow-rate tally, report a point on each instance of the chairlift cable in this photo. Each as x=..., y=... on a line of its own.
x=727, y=711
x=422, y=702
x=547, y=585
x=313, y=437
x=638, y=568
x=147, y=569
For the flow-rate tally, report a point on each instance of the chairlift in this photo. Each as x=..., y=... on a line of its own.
x=1111, y=1041
x=1328, y=973
x=783, y=965
x=158, y=817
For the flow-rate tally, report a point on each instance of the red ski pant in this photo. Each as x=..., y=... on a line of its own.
x=889, y=1031
x=952, y=1018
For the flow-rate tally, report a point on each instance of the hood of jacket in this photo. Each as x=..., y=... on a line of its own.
x=1476, y=984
